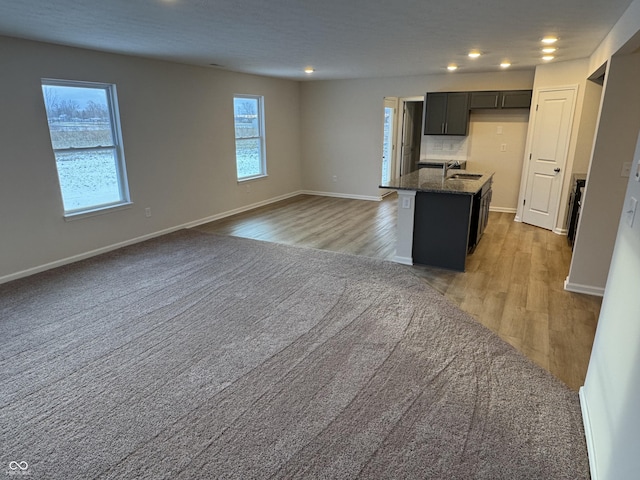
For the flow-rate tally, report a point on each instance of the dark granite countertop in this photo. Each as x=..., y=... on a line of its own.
x=430, y=180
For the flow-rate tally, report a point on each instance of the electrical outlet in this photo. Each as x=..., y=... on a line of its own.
x=406, y=202
x=335, y=178
x=147, y=212
x=626, y=169
x=499, y=130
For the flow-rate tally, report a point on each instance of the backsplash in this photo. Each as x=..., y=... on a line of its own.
x=443, y=147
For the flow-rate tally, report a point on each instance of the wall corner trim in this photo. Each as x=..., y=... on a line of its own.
x=586, y=421
x=403, y=260
x=586, y=289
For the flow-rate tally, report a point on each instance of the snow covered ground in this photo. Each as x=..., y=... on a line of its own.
x=87, y=178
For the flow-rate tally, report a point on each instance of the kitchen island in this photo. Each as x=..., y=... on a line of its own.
x=440, y=219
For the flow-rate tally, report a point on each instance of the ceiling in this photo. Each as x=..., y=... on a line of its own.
x=339, y=38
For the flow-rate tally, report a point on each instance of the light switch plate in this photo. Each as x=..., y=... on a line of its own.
x=630, y=211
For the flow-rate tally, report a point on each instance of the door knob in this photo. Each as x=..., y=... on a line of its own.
x=557, y=170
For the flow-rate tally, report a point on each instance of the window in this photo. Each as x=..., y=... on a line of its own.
x=249, y=126
x=86, y=140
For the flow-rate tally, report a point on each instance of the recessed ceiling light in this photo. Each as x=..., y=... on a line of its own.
x=474, y=54
x=549, y=49
x=309, y=70
x=505, y=64
x=546, y=58
x=549, y=40
x=452, y=67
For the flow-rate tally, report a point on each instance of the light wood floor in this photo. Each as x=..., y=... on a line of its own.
x=513, y=283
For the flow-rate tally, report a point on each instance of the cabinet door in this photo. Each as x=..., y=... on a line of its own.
x=457, y=121
x=435, y=112
x=484, y=100
x=516, y=99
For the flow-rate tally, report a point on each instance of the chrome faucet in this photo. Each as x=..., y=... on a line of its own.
x=447, y=165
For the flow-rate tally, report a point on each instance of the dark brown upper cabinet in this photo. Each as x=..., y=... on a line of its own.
x=446, y=113
x=515, y=99
x=497, y=99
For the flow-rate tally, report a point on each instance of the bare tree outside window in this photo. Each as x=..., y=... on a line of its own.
x=86, y=145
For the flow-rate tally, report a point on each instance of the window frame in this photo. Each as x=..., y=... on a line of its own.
x=116, y=147
x=261, y=137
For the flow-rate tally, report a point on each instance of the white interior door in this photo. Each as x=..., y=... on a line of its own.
x=548, y=156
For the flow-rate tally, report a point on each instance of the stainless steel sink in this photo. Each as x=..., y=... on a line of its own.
x=466, y=176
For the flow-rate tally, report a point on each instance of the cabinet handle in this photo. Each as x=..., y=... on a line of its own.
x=446, y=127
x=442, y=128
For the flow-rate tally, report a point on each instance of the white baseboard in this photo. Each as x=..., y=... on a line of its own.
x=83, y=256
x=342, y=195
x=403, y=260
x=586, y=421
x=557, y=231
x=235, y=211
x=586, y=289
x=502, y=209
x=149, y=236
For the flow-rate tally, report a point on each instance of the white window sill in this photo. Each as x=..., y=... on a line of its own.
x=70, y=217
x=249, y=179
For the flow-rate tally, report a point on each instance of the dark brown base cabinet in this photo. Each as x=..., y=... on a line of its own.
x=447, y=226
x=480, y=216
x=441, y=229
x=578, y=182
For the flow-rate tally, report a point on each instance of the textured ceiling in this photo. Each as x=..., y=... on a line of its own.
x=339, y=38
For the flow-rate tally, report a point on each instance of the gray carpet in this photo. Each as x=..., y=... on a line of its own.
x=204, y=356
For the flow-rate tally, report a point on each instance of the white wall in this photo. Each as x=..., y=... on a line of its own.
x=611, y=394
x=342, y=124
x=615, y=141
x=177, y=125
x=485, y=154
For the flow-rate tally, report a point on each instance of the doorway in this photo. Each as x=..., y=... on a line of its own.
x=411, y=134
x=397, y=162
x=389, y=139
